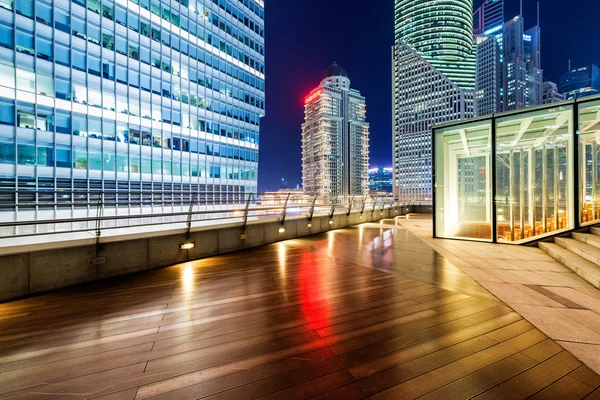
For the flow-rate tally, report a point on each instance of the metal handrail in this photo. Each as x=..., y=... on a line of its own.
x=225, y=208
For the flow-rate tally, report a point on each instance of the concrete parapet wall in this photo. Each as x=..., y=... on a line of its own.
x=30, y=269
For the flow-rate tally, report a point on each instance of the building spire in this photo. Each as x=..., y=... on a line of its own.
x=521, y=10
x=538, y=14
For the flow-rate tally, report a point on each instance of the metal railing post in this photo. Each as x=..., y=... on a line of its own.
x=312, y=209
x=189, y=217
x=284, y=212
x=350, y=207
x=362, y=209
x=374, y=206
x=99, y=209
x=245, y=218
x=331, y=212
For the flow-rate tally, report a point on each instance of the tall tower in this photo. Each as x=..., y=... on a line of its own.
x=523, y=77
x=489, y=17
x=434, y=77
x=488, y=21
x=335, y=139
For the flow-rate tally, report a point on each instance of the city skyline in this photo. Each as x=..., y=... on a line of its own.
x=365, y=52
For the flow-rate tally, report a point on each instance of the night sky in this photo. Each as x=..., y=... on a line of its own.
x=304, y=37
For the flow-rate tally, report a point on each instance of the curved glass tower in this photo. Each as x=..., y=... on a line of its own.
x=434, y=79
x=440, y=31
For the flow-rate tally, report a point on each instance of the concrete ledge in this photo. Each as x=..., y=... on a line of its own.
x=30, y=269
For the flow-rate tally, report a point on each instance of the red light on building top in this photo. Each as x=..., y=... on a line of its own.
x=313, y=97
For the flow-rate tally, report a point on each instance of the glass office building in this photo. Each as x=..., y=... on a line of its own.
x=518, y=176
x=150, y=101
x=580, y=82
x=433, y=83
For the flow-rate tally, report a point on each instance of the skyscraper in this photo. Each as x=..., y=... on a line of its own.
x=335, y=139
x=580, y=82
x=381, y=180
x=533, y=66
x=489, y=17
x=523, y=76
x=551, y=94
x=160, y=97
x=433, y=75
x=488, y=78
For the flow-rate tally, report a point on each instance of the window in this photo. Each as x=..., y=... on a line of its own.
x=79, y=60
x=26, y=154
x=108, y=41
x=80, y=125
x=8, y=4
x=144, y=29
x=25, y=80
x=25, y=43
x=43, y=13
x=63, y=158
x=7, y=75
x=121, y=16
x=7, y=112
x=63, y=54
x=134, y=52
x=45, y=84
x=7, y=153
x=44, y=48
x=25, y=7
x=62, y=20
x=45, y=156
x=6, y=36
x=63, y=89
x=107, y=11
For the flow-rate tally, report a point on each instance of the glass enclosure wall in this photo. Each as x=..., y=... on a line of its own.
x=463, y=187
x=589, y=146
x=534, y=174
x=518, y=177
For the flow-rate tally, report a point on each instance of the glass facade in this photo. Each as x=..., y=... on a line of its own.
x=589, y=147
x=129, y=96
x=517, y=177
x=433, y=83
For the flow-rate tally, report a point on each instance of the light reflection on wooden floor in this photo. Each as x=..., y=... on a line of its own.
x=367, y=312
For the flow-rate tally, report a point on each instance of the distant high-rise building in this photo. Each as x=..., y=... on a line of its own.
x=489, y=18
x=523, y=77
x=489, y=24
x=580, y=82
x=515, y=69
x=533, y=66
x=434, y=80
x=551, y=93
x=381, y=180
x=488, y=79
x=335, y=139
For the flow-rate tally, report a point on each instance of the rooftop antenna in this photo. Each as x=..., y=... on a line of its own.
x=569, y=64
x=538, y=14
x=521, y=9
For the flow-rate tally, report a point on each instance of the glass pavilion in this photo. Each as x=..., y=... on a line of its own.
x=519, y=176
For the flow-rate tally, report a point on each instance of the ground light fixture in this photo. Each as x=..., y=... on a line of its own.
x=281, y=230
x=309, y=225
x=330, y=222
x=187, y=246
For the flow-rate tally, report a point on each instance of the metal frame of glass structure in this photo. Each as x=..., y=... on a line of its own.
x=519, y=176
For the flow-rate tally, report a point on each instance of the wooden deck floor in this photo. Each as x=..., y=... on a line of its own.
x=368, y=312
